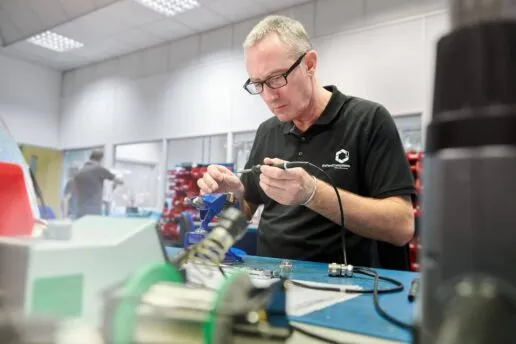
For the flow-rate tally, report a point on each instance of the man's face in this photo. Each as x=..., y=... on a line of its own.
x=271, y=57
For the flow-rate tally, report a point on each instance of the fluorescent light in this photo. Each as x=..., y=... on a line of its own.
x=169, y=7
x=54, y=41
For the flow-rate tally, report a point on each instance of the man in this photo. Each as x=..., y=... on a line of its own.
x=354, y=140
x=89, y=183
x=69, y=202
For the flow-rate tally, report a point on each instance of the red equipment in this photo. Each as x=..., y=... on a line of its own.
x=415, y=160
x=182, y=185
x=16, y=217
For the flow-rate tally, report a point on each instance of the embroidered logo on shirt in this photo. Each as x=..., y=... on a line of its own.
x=341, y=156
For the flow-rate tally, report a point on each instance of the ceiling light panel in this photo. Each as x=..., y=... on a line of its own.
x=55, y=42
x=169, y=7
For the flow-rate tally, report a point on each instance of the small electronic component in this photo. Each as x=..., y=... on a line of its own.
x=334, y=270
x=284, y=165
x=285, y=268
x=414, y=289
x=340, y=270
x=251, y=271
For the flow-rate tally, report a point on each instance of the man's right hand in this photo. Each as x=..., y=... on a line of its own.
x=219, y=179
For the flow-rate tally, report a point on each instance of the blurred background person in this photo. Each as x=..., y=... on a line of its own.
x=69, y=202
x=89, y=185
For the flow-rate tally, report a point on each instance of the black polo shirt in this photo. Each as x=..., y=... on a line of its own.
x=356, y=142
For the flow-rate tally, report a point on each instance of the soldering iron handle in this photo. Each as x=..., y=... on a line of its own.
x=283, y=165
x=291, y=164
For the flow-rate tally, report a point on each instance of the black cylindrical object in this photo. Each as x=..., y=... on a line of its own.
x=231, y=227
x=234, y=222
x=469, y=205
x=479, y=312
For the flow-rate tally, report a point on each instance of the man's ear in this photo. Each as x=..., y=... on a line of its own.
x=311, y=62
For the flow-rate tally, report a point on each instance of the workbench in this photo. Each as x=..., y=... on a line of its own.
x=352, y=321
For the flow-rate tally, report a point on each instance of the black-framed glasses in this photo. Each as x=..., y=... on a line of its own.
x=275, y=81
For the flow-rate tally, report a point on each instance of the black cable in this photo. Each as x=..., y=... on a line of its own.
x=375, y=291
x=222, y=271
x=292, y=164
x=378, y=307
x=398, y=286
x=315, y=287
x=246, y=332
x=366, y=271
x=313, y=335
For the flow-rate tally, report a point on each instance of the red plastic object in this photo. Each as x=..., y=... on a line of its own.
x=415, y=160
x=182, y=184
x=414, y=248
x=16, y=218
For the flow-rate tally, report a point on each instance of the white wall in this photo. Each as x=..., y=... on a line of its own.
x=377, y=49
x=200, y=150
x=148, y=152
x=29, y=101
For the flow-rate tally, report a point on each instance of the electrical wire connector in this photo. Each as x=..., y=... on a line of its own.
x=285, y=268
x=340, y=270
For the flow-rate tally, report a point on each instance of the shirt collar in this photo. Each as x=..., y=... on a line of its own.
x=329, y=113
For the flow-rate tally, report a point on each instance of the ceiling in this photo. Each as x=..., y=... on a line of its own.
x=110, y=28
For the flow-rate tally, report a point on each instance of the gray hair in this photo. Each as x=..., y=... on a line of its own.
x=290, y=31
x=97, y=155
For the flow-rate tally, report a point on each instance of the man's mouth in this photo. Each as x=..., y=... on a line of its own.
x=279, y=107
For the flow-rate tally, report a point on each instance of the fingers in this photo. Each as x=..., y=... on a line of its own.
x=272, y=161
x=272, y=182
x=214, y=178
x=270, y=190
x=219, y=179
x=222, y=169
x=216, y=172
x=207, y=184
x=274, y=172
x=278, y=173
x=202, y=186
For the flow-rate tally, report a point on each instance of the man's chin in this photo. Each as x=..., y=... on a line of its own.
x=283, y=116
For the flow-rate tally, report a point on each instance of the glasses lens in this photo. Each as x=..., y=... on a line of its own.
x=277, y=81
x=253, y=88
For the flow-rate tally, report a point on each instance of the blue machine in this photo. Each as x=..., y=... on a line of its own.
x=209, y=206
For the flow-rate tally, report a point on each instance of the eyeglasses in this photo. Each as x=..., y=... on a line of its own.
x=275, y=81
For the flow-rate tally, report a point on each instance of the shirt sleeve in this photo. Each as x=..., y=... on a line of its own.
x=105, y=173
x=387, y=171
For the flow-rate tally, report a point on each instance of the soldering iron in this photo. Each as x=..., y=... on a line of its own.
x=284, y=165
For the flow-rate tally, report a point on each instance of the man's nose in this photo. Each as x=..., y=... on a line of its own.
x=269, y=94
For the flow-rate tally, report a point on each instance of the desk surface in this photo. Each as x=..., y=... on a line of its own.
x=356, y=315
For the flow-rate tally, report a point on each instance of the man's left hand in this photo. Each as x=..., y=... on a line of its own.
x=292, y=186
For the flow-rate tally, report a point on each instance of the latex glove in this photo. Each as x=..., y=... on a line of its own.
x=219, y=179
x=292, y=186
